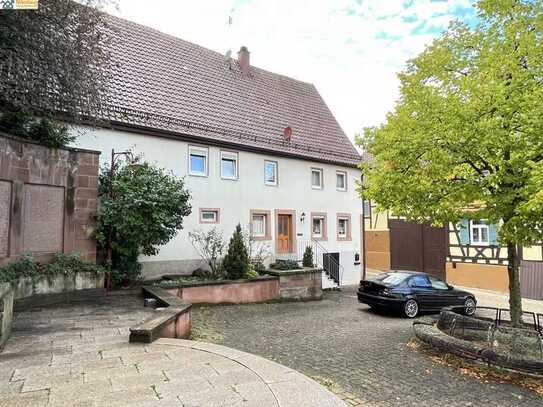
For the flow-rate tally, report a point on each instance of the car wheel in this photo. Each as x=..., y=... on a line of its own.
x=411, y=309
x=470, y=306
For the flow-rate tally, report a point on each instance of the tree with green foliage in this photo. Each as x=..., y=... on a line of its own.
x=307, y=260
x=145, y=211
x=466, y=137
x=52, y=67
x=236, y=263
x=41, y=131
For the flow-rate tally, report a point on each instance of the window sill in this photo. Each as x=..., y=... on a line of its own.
x=229, y=179
x=317, y=188
x=198, y=175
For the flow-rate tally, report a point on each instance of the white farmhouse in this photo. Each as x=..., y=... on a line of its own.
x=254, y=147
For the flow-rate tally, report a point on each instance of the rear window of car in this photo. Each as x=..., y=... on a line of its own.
x=391, y=278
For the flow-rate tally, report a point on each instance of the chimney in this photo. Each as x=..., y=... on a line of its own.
x=244, y=60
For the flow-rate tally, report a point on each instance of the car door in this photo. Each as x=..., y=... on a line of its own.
x=422, y=290
x=444, y=296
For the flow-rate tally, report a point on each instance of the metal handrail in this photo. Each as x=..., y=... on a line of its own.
x=334, y=269
x=340, y=267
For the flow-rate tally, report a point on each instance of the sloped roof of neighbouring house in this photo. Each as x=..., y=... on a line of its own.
x=164, y=83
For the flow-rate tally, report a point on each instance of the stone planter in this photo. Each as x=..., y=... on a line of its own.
x=279, y=285
x=6, y=312
x=482, y=340
x=56, y=289
x=299, y=285
x=260, y=289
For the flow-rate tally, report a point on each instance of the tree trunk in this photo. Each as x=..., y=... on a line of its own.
x=515, y=299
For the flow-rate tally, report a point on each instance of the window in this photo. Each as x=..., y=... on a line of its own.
x=229, y=165
x=318, y=226
x=208, y=215
x=198, y=161
x=420, y=282
x=341, y=181
x=479, y=232
x=344, y=227
x=316, y=178
x=391, y=278
x=270, y=173
x=438, y=284
x=260, y=225
x=367, y=209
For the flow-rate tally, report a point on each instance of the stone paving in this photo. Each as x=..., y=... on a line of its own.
x=364, y=353
x=79, y=355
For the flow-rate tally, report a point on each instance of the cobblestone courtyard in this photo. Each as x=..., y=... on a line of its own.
x=365, y=353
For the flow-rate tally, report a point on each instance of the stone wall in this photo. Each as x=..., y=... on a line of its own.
x=257, y=290
x=6, y=312
x=47, y=200
x=299, y=285
x=49, y=290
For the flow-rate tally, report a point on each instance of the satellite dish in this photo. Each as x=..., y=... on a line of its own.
x=287, y=133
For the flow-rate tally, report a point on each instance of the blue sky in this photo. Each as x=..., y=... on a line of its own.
x=350, y=49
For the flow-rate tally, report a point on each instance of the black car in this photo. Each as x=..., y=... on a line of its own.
x=413, y=292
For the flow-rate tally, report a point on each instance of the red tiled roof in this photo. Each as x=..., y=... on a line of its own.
x=162, y=82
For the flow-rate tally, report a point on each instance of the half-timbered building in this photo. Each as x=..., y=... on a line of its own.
x=466, y=254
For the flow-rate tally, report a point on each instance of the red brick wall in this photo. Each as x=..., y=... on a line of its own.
x=48, y=198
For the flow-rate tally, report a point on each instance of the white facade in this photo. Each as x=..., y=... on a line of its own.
x=235, y=199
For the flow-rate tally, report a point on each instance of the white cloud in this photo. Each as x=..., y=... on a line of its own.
x=351, y=50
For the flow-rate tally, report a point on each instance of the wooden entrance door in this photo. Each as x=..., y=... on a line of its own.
x=284, y=233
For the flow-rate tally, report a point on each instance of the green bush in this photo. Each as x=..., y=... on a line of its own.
x=259, y=267
x=252, y=273
x=285, y=265
x=236, y=263
x=146, y=211
x=62, y=264
x=307, y=261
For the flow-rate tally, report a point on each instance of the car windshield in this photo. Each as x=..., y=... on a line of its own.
x=391, y=278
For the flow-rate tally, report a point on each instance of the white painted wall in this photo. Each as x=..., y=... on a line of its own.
x=236, y=198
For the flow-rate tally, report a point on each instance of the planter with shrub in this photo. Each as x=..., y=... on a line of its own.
x=66, y=278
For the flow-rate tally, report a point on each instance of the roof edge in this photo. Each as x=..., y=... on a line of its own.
x=156, y=132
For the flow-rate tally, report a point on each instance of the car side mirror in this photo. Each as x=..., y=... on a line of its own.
x=450, y=287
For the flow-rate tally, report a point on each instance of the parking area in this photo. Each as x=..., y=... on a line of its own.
x=365, y=353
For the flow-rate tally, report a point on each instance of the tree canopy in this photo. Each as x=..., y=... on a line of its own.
x=466, y=136
x=52, y=59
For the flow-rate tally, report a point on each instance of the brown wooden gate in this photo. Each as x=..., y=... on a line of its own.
x=417, y=247
x=531, y=279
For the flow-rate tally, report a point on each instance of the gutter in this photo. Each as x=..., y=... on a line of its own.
x=151, y=131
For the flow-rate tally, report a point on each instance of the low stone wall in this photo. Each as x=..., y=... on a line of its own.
x=279, y=285
x=299, y=285
x=57, y=289
x=174, y=321
x=6, y=312
x=261, y=289
x=465, y=341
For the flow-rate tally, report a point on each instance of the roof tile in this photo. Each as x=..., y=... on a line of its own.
x=162, y=82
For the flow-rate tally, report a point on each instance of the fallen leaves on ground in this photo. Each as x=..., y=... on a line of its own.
x=476, y=370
